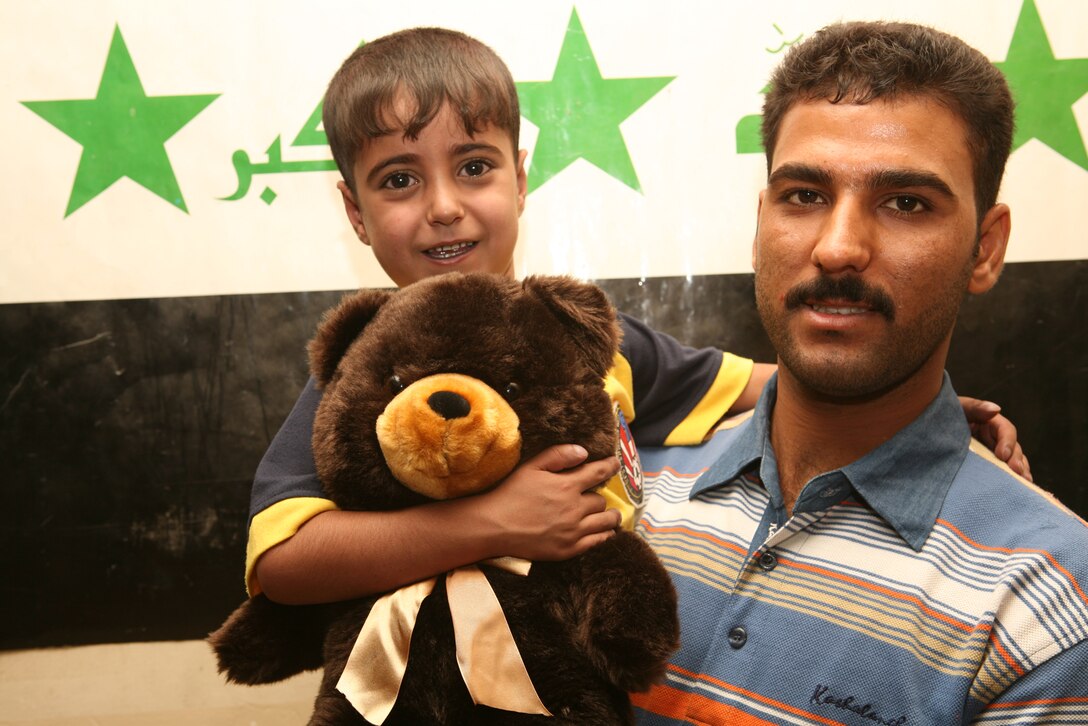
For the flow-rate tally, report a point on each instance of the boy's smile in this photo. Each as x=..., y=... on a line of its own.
x=444, y=201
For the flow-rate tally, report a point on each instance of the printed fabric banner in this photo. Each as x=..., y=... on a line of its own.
x=158, y=150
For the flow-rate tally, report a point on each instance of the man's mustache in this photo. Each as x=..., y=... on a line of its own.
x=841, y=289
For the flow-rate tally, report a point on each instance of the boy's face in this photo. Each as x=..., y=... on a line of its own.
x=443, y=202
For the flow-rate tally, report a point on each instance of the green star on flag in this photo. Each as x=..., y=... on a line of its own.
x=122, y=131
x=1045, y=89
x=579, y=113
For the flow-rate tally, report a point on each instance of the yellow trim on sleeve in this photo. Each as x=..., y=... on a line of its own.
x=615, y=497
x=730, y=382
x=277, y=524
x=620, y=385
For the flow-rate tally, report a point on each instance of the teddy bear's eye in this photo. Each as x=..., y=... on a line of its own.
x=395, y=384
x=511, y=391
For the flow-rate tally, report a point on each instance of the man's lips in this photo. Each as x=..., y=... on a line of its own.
x=837, y=308
x=841, y=296
x=449, y=251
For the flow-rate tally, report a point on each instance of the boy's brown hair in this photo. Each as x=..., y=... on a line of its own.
x=430, y=67
x=860, y=62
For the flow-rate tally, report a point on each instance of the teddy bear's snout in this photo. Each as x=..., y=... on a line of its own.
x=449, y=405
x=449, y=434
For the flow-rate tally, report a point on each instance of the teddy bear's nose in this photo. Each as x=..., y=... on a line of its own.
x=448, y=404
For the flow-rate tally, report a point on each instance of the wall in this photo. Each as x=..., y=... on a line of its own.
x=154, y=326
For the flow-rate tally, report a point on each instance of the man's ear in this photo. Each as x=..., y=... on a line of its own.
x=522, y=180
x=355, y=217
x=993, y=239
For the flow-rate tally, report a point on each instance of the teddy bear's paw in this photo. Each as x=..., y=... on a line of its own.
x=628, y=625
x=633, y=664
x=264, y=642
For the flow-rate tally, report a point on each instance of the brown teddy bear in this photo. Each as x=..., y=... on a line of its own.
x=435, y=391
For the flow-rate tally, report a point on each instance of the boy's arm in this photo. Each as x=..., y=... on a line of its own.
x=746, y=401
x=286, y=491
x=302, y=549
x=996, y=432
x=542, y=511
x=670, y=393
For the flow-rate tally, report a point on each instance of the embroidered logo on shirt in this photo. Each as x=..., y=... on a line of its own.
x=630, y=466
x=822, y=696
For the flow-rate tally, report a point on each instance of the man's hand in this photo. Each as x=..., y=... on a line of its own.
x=997, y=432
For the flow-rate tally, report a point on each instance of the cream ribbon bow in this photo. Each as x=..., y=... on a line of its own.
x=487, y=655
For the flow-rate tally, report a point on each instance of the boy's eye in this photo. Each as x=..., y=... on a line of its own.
x=400, y=180
x=906, y=204
x=476, y=167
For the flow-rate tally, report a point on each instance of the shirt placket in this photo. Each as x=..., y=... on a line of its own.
x=740, y=621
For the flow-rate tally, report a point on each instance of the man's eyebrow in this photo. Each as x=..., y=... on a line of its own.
x=803, y=173
x=906, y=178
x=876, y=181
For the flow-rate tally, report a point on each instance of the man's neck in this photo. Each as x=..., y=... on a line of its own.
x=813, y=434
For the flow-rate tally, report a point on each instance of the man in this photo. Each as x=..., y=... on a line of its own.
x=847, y=554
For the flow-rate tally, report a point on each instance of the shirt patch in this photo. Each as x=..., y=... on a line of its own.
x=630, y=466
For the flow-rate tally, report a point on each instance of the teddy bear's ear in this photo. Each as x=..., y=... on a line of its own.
x=340, y=327
x=586, y=312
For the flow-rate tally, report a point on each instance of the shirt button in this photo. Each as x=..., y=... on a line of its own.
x=737, y=638
x=768, y=561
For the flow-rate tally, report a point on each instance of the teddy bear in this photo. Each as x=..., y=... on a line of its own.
x=439, y=390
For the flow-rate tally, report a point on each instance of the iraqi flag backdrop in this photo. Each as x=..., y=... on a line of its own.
x=172, y=233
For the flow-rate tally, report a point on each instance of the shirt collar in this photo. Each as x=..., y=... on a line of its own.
x=904, y=480
x=747, y=446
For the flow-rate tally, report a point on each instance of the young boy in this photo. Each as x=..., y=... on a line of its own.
x=424, y=126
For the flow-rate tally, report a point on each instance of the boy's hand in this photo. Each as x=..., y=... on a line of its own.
x=997, y=432
x=544, y=509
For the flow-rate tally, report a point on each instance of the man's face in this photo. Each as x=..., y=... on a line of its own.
x=865, y=242
x=443, y=202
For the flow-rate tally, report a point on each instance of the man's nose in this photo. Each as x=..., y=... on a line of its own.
x=444, y=205
x=846, y=238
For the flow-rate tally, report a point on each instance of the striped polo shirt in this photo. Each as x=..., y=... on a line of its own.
x=922, y=584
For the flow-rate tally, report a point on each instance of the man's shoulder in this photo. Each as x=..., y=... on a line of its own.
x=992, y=509
x=985, y=481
